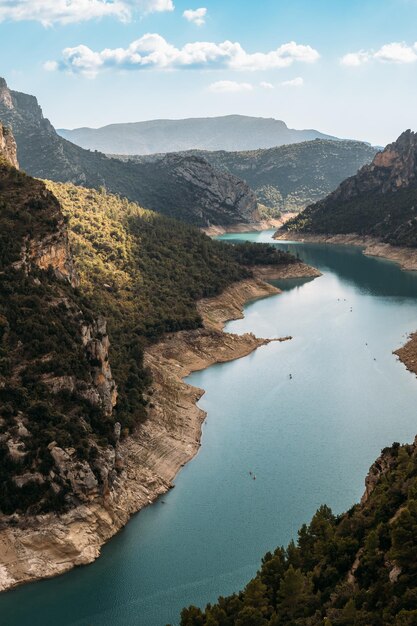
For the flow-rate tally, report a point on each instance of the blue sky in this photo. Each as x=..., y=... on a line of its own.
x=346, y=67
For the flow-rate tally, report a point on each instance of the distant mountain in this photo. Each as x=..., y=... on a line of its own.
x=380, y=201
x=289, y=178
x=231, y=132
x=185, y=187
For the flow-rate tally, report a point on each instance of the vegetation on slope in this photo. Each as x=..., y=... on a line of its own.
x=138, y=270
x=380, y=201
x=145, y=273
x=40, y=338
x=391, y=217
x=356, y=569
x=290, y=177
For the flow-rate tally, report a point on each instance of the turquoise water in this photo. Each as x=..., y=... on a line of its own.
x=309, y=440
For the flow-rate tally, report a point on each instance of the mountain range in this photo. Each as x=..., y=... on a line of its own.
x=290, y=177
x=181, y=186
x=230, y=132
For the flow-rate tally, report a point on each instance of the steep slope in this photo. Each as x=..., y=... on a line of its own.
x=58, y=438
x=291, y=177
x=231, y=132
x=380, y=201
x=356, y=569
x=60, y=413
x=89, y=435
x=8, y=148
x=185, y=187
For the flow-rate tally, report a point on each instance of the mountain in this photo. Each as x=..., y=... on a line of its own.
x=184, y=187
x=379, y=201
x=291, y=177
x=231, y=132
x=354, y=569
x=87, y=281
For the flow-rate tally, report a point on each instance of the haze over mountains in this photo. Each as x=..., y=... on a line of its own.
x=230, y=132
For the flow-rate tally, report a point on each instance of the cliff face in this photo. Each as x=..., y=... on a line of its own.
x=191, y=190
x=58, y=438
x=8, y=149
x=380, y=201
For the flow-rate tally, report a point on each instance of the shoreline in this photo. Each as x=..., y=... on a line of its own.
x=242, y=227
x=49, y=545
x=405, y=257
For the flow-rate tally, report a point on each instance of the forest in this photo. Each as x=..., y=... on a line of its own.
x=356, y=569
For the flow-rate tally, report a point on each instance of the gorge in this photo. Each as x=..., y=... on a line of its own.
x=313, y=428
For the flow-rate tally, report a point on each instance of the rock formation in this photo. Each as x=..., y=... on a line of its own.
x=380, y=201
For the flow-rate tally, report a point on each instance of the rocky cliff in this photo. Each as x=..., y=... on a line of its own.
x=8, y=148
x=380, y=201
x=187, y=188
x=58, y=437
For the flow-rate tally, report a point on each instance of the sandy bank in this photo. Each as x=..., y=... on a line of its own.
x=215, y=231
x=48, y=545
x=406, y=257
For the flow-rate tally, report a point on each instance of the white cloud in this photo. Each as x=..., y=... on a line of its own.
x=197, y=16
x=397, y=53
x=49, y=12
x=389, y=53
x=153, y=51
x=354, y=59
x=295, y=82
x=266, y=85
x=229, y=86
x=50, y=66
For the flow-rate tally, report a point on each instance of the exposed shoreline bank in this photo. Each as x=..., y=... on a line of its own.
x=49, y=545
x=405, y=257
x=215, y=231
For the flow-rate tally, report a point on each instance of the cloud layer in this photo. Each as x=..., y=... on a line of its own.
x=397, y=52
x=196, y=16
x=153, y=51
x=49, y=12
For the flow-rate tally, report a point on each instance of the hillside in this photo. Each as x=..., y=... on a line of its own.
x=231, y=132
x=184, y=187
x=380, y=201
x=291, y=177
x=356, y=569
x=87, y=281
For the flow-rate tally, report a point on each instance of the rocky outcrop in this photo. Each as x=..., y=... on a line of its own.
x=96, y=342
x=223, y=198
x=185, y=187
x=48, y=545
x=8, y=149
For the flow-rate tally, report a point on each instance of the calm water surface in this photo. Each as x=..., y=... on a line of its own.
x=309, y=440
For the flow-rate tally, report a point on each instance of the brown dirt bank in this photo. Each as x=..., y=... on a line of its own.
x=406, y=257
x=48, y=545
x=214, y=231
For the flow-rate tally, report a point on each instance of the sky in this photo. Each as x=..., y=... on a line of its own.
x=344, y=67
